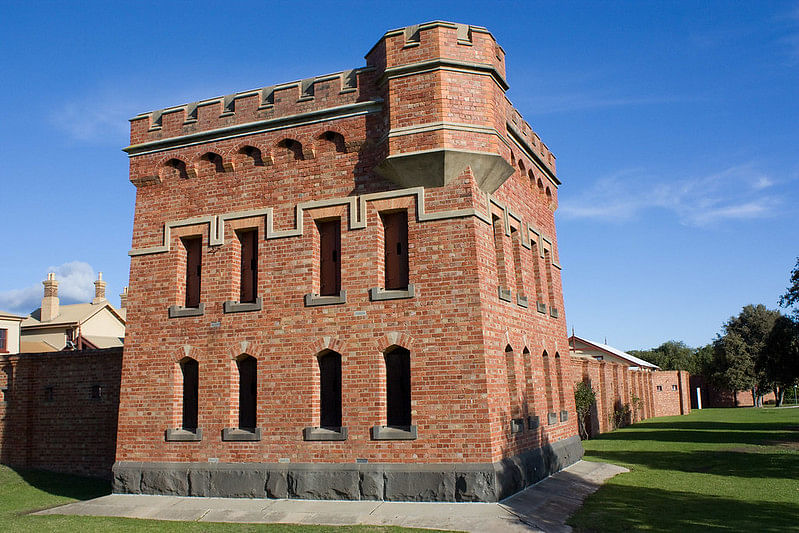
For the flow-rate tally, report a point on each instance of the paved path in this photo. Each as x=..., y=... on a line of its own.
x=542, y=507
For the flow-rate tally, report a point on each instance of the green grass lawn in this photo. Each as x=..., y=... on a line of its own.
x=22, y=492
x=715, y=469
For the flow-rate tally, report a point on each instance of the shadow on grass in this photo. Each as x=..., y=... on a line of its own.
x=675, y=433
x=65, y=485
x=767, y=427
x=743, y=464
x=625, y=508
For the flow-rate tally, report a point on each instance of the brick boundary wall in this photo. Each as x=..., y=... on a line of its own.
x=59, y=410
x=615, y=385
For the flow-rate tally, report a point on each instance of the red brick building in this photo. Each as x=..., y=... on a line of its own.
x=348, y=287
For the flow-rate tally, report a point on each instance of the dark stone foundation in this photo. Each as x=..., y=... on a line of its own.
x=467, y=482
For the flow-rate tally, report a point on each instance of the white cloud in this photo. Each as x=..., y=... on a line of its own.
x=75, y=285
x=735, y=193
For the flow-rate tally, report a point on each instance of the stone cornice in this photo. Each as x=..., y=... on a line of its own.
x=455, y=65
x=252, y=128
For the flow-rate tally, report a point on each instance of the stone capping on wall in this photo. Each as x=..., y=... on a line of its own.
x=378, y=294
x=462, y=482
x=324, y=434
x=241, y=435
x=183, y=435
x=356, y=220
x=552, y=418
x=251, y=128
x=504, y=294
x=178, y=311
x=238, y=307
x=394, y=433
x=313, y=300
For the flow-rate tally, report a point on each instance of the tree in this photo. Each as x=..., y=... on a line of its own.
x=791, y=296
x=743, y=343
x=671, y=355
x=584, y=398
x=779, y=361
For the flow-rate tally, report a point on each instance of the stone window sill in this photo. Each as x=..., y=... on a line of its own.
x=394, y=433
x=533, y=422
x=177, y=311
x=241, y=435
x=521, y=301
x=320, y=434
x=552, y=418
x=516, y=425
x=377, y=294
x=504, y=294
x=312, y=300
x=238, y=307
x=541, y=307
x=564, y=416
x=183, y=435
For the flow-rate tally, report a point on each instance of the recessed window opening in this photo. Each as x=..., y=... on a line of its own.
x=193, y=247
x=395, y=226
x=660, y=388
x=510, y=374
x=215, y=160
x=547, y=380
x=254, y=154
x=674, y=387
x=178, y=167
x=248, y=391
x=550, y=283
x=499, y=252
x=249, y=265
x=398, y=388
x=191, y=384
x=49, y=394
x=515, y=239
x=97, y=392
x=329, y=257
x=3, y=340
x=336, y=139
x=294, y=148
x=330, y=390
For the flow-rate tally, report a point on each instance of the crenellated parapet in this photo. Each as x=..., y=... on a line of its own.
x=437, y=91
x=312, y=98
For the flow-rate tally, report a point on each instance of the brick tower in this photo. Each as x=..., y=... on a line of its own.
x=347, y=287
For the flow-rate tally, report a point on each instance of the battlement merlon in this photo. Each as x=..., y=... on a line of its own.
x=448, y=48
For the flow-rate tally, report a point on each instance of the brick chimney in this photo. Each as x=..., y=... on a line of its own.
x=99, y=289
x=123, y=298
x=50, y=300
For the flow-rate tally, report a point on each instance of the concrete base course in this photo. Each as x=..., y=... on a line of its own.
x=468, y=482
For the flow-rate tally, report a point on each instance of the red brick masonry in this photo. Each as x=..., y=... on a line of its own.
x=58, y=410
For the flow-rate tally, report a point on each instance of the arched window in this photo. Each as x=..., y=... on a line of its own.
x=294, y=148
x=398, y=387
x=254, y=154
x=510, y=374
x=336, y=139
x=547, y=381
x=177, y=167
x=330, y=390
x=191, y=383
x=215, y=160
x=248, y=391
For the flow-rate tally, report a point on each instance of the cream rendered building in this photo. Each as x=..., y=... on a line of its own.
x=9, y=332
x=54, y=327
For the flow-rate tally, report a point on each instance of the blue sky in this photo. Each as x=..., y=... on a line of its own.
x=674, y=124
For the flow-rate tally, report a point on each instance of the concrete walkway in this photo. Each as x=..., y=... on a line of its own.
x=542, y=507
